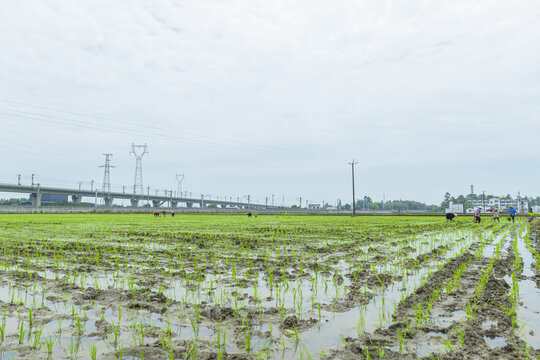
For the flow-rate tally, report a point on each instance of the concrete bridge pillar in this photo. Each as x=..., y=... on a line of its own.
x=36, y=199
x=134, y=202
x=76, y=199
x=174, y=204
x=156, y=203
x=189, y=205
x=108, y=201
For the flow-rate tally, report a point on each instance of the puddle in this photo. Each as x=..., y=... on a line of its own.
x=8, y=355
x=447, y=321
x=427, y=348
x=495, y=342
x=529, y=311
x=486, y=325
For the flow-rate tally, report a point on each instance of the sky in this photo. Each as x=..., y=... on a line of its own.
x=274, y=97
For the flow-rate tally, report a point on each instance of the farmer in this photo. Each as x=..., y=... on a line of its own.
x=249, y=214
x=156, y=214
x=172, y=213
x=450, y=217
x=512, y=212
x=477, y=214
x=496, y=215
x=164, y=213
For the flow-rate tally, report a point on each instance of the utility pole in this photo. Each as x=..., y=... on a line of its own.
x=80, y=183
x=272, y=200
x=300, y=198
x=91, y=185
x=106, y=174
x=19, y=180
x=483, y=197
x=353, y=195
x=138, y=151
x=266, y=203
x=33, y=179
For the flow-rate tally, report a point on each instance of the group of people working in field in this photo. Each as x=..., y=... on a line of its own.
x=164, y=213
x=494, y=213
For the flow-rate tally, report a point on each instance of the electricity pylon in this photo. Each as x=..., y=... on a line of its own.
x=138, y=151
x=107, y=174
x=179, y=179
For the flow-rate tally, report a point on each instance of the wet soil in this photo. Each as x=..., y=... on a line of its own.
x=259, y=288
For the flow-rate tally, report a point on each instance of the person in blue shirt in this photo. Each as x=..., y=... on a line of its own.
x=512, y=212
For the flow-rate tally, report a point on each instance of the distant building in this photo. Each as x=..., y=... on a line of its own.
x=521, y=205
x=314, y=206
x=454, y=208
x=53, y=198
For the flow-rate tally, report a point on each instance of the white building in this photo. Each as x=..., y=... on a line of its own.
x=454, y=208
x=522, y=206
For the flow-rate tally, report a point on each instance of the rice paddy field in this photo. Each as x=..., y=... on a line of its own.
x=267, y=287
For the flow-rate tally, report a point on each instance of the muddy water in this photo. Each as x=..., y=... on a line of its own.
x=299, y=295
x=376, y=314
x=528, y=311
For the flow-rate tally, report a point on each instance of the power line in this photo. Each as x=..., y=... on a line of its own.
x=166, y=132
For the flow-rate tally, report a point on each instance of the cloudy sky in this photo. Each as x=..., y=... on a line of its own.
x=274, y=97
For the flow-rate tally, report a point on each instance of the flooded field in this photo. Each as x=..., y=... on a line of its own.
x=267, y=287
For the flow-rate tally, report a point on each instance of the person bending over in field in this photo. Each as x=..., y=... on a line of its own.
x=450, y=217
x=512, y=212
x=496, y=215
x=156, y=214
x=477, y=212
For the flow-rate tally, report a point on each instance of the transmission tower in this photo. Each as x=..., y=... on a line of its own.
x=138, y=151
x=107, y=174
x=179, y=179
